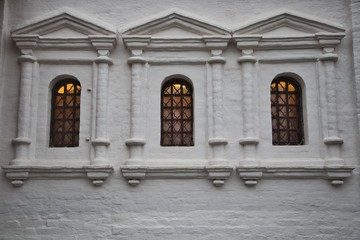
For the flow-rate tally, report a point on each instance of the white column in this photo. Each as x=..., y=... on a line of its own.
x=23, y=140
x=137, y=136
x=249, y=141
x=101, y=140
x=331, y=138
x=217, y=141
x=103, y=45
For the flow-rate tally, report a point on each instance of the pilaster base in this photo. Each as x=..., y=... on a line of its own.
x=19, y=174
x=217, y=174
x=336, y=175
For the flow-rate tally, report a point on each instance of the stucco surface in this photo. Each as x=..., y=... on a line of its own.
x=182, y=208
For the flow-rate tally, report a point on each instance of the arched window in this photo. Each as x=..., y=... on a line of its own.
x=65, y=114
x=177, y=113
x=286, y=112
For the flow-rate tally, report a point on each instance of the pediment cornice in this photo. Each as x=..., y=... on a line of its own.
x=76, y=31
x=288, y=29
x=189, y=32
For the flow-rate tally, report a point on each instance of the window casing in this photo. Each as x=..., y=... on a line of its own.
x=65, y=114
x=286, y=112
x=177, y=113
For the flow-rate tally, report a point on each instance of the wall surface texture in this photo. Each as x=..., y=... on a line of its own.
x=274, y=192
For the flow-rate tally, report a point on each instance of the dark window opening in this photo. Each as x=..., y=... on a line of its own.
x=177, y=113
x=65, y=114
x=286, y=112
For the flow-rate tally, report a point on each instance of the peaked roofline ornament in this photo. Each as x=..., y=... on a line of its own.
x=174, y=18
x=289, y=18
x=85, y=32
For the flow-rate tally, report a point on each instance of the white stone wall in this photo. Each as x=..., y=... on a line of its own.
x=181, y=208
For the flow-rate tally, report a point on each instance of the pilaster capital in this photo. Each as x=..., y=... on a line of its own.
x=247, y=56
x=104, y=59
x=26, y=42
x=139, y=42
x=27, y=58
x=216, y=42
x=327, y=40
x=328, y=55
x=136, y=59
x=247, y=41
x=217, y=59
x=103, y=43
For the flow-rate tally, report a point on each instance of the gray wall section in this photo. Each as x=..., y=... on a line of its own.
x=2, y=44
x=355, y=16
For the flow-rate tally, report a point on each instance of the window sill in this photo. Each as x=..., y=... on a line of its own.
x=335, y=174
x=217, y=174
x=19, y=174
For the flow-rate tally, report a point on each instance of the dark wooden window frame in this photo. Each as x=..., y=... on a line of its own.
x=184, y=135
x=286, y=112
x=65, y=115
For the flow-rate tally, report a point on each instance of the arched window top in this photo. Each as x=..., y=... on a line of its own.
x=285, y=84
x=177, y=86
x=286, y=111
x=177, y=113
x=65, y=113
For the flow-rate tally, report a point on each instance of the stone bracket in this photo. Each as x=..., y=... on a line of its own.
x=336, y=175
x=19, y=174
x=217, y=174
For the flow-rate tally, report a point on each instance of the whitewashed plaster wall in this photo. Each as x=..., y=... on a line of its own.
x=182, y=208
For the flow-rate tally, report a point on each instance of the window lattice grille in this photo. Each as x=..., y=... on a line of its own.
x=286, y=112
x=177, y=114
x=65, y=114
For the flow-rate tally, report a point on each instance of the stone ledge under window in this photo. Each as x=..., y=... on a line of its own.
x=217, y=174
x=18, y=174
x=336, y=175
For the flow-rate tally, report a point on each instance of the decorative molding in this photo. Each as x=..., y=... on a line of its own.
x=336, y=175
x=65, y=18
x=175, y=18
x=217, y=174
x=195, y=33
x=77, y=61
x=309, y=32
x=290, y=19
x=177, y=61
x=289, y=59
x=287, y=42
x=77, y=31
x=19, y=174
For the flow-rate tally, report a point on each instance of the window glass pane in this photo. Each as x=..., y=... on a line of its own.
x=65, y=114
x=286, y=112
x=176, y=113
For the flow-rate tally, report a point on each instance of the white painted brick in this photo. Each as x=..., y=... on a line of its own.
x=181, y=209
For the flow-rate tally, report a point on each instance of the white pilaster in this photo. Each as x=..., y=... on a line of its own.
x=23, y=139
x=103, y=45
x=137, y=135
x=216, y=61
x=331, y=136
x=249, y=141
x=136, y=142
x=247, y=61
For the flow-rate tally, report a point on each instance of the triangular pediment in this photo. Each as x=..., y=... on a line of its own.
x=65, y=23
x=175, y=23
x=288, y=23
